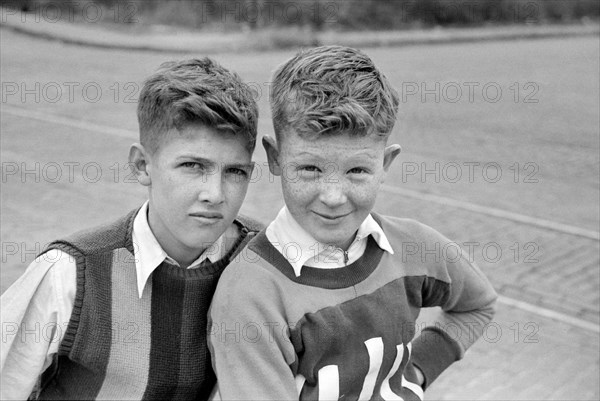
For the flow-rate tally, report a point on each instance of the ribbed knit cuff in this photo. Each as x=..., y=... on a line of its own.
x=432, y=352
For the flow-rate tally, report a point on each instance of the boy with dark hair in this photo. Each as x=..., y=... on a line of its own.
x=135, y=292
x=327, y=307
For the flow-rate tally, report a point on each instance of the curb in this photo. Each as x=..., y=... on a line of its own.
x=98, y=36
x=490, y=34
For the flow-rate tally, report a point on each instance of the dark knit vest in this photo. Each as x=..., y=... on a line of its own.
x=120, y=346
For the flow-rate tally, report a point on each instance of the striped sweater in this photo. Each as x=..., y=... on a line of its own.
x=120, y=346
x=345, y=333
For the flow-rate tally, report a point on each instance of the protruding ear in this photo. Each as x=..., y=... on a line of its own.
x=389, y=155
x=270, y=145
x=140, y=163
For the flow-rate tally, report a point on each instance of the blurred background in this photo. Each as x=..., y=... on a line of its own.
x=499, y=123
x=274, y=24
x=345, y=15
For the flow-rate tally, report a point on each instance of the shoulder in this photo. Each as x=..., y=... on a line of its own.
x=249, y=223
x=249, y=280
x=249, y=271
x=99, y=239
x=54, y=261
x=402, y=230
x=421, y=249
x=242, y=231
x=51, y=273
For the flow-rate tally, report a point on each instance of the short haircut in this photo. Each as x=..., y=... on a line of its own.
x=197, y=91
x=332, y=90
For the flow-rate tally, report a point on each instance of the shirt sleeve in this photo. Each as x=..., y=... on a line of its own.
x=251, y=351
x=35, y=312
x=467, y=301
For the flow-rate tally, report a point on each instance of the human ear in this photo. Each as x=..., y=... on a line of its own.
x=272, y=150
x=139, y=162
x=389, y=155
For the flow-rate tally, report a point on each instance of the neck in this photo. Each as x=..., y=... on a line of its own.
x=184, y=257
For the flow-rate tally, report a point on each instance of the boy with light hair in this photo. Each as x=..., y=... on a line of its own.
x=324, y=303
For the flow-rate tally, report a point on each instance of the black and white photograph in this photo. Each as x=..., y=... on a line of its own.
x=300, y=200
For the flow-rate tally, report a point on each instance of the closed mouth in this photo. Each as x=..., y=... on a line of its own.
x=208, y=215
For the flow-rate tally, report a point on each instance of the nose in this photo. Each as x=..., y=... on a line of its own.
x=333, y=194
x=211, y=190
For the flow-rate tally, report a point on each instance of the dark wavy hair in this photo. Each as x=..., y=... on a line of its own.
x=197, y=91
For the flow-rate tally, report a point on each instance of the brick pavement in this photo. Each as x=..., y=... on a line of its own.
x=528, y=358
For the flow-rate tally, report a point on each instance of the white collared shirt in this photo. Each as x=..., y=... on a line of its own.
x=44, y=295
x=301, y=249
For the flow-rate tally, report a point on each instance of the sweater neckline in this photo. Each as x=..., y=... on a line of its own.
x=210, y=269
x=341, y=277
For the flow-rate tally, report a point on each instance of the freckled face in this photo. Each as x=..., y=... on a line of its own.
x=199, y=178
x=330, y=183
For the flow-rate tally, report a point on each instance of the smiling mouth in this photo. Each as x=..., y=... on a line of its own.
x=331, y=217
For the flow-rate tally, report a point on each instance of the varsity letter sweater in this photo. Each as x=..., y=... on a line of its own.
x=120, y=346
x=345, y=333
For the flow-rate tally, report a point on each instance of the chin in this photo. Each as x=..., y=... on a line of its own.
x=198, y=240
x=330, y=239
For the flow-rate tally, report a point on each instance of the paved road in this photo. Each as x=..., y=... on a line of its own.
x=524, y=357
x=544, y=341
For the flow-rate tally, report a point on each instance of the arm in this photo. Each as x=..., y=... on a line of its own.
x=467, y=300
x=35, y=311
x=251, y=352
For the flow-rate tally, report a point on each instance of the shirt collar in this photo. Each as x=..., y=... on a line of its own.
x=298, y=246
x=148, y=254
x=370, y=227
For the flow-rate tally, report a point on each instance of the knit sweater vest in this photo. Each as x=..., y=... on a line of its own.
x=120, y=346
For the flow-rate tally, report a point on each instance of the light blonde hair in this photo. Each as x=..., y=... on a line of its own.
x=332, y=90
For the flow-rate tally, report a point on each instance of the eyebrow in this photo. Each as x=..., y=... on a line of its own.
x=362, y=152
x=194, y=158
x=212, y=162
x=239, y=165
x=367, y=152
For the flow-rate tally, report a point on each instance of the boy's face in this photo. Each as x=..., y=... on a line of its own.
x=330, y=183
x=197, y=181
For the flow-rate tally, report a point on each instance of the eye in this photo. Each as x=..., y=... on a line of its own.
x=237, y=171
x=192, y=165
x=358, y=170
x=309, y=168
